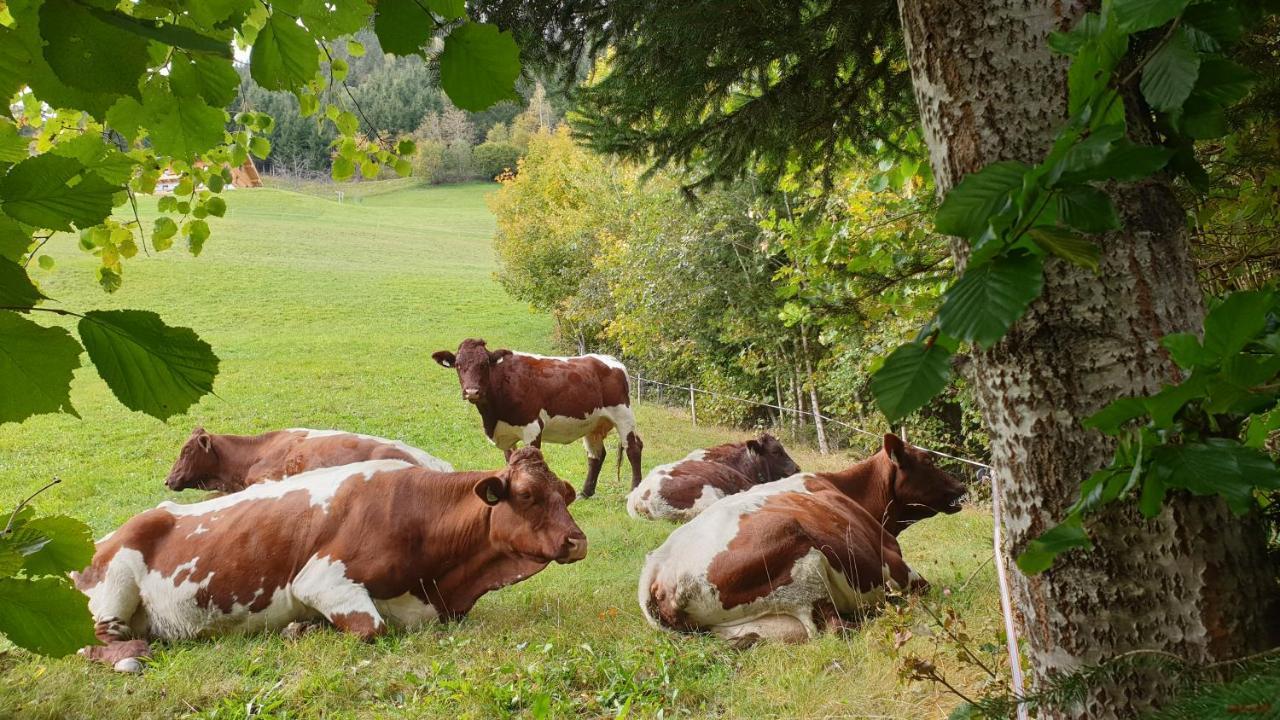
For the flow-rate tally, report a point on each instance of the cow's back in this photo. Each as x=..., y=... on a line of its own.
x=225, y=564
x=779, y=550
x=683, y=489
x=302, y=450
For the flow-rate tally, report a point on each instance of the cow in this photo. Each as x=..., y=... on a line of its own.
x=532, y=398
x=787, y=559
x=363, y=546
x=229, y=463
x=682, y=489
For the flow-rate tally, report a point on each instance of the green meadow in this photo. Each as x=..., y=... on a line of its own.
x=324, y=315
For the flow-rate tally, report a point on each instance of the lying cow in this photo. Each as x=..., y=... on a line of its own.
x=786, y=559
x=682, y=489
x=363, y=546
x=530, y=399
x=229, y=463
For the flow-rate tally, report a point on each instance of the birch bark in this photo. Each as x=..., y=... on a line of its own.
x=1195, y=580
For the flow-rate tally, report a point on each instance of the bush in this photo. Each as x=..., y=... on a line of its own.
x=494, y=158
x=437, y=162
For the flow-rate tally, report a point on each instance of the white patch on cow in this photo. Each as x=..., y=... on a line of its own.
x=560, y=429
x=656, y=506
x=681, y=564
x=200, y=530
x=695, y=455
x=609, y=360
x=407, y=611
x=323, y=585
x=421, y=457
x=321, y=485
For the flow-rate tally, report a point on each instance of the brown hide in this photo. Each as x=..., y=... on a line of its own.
x=230, y=463
x=682, y=488
x=408, y=530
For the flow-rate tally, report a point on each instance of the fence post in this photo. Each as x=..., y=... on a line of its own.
x=693, y=408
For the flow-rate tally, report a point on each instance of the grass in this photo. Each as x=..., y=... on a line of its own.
x=325, y=315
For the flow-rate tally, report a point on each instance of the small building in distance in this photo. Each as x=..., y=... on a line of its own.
x=244, y=176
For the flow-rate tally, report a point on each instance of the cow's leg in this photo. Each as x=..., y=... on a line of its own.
x=594, y=443
x=121, y=655
x=323, y=585
x=777, y=628
x=625, y=421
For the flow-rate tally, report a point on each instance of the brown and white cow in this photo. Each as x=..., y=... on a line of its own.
x=531, y=399
x=363, y=546
x=786, y=559
x=682, y=489
x=229, y=463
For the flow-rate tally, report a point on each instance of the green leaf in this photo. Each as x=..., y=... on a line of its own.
x=162, y=234
x=986, y=301
x=910, y=377
x=1220, y=21
x=54, y=192
x=1235, y=321
x=13, y=146
x=164, y=33
x=1089, y=76
x=196, y=232
x=1165, y=405
x=329, y=20
x=284, y=56
x=1087, y=209
x=15, y=239
x=151, y=367
x=1170, y=74
x=966, y=212
x=355, y=49
x=402, y=26
x=59, y=544
x=1041, y=552
x=1134, y=15
x=46, y=616
x=448, y=9
x=36, y=365
x=1116, y=414
x=1185, y=349
x=1223, y=468
x=108, y=278
x=97, y=157
x=1152, y=498
x=1125, y=161
x=1067, y=245
x=214, y=79
x=1260, y=427
x=216, y=206
x=1222, y=82
x=342, y=168
x=16, y=289
x=479, y=66
x=183, y=128
x=89, y=54
x=10, y=559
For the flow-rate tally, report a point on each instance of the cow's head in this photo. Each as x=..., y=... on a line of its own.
x=772, y=457
x=530, y=515
x=473, y=362
x=919, y=489
x=197, y=464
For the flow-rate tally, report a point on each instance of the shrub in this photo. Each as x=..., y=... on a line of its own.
x=493, y=158
x=428, y=161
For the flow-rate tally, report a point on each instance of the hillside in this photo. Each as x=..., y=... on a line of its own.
x=325, y=315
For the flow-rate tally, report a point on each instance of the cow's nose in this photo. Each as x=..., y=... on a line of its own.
x=471, y=393
x=577, y=549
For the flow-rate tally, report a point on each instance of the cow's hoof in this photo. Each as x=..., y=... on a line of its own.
x=128, y=665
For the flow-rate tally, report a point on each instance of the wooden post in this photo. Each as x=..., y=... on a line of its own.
x=693, y=408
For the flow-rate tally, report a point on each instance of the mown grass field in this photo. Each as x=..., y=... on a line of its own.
x=325, y=315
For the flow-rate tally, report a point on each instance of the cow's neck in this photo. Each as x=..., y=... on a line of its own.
x=869, y=483
x=482, y=571
x=238, y=453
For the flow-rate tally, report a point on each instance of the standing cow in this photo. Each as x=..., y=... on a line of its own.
x=786, y=559
x=531, y=399
x=229, y=463
x=682, y=489
x=362, y=546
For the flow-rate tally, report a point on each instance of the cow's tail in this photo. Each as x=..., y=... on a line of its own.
x=622, y=449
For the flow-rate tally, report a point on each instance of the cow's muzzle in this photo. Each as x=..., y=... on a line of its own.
x=471, y=394
x=575, y=550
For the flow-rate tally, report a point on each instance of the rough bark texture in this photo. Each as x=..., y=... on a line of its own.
x=1194, y=581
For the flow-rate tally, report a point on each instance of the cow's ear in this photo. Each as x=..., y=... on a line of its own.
x=444, y=357
x=895, y=449
x=492, y=490
x=568, y=492
x=755, y=447
x=497, y=356
x=205, y=442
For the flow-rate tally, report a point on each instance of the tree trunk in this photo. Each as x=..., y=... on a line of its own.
x=818, y=424
x=1194, y=581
